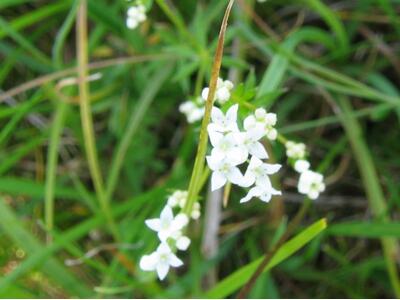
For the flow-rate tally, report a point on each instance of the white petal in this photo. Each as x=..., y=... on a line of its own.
x=153, y=224
x=301, y=165
x=204, y=93
x=215, y=137
x=148, y=262
x=131, y=23
x=183, y=243
x=217, y=180
x=256, y=133
x=223, y=95
x=254, y=162
x=266, y=197
x=163, y=248
x=235, y=176
x=167, y=214
x=174, y=261
x=249, y=122
x=180, y=221
x=216, y=115
x=257, y=149
x=254, y=192
x=272, y=168
x=214, y=161
x=162, y=270
x=231, y=114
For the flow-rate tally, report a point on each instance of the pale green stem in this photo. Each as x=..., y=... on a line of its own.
x=203, y=141
x=86, y=117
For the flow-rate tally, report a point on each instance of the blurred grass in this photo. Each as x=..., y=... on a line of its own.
x=295, y=51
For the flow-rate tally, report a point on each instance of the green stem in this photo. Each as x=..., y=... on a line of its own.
x=51, y=168
x=202, y=147
x=86, y=117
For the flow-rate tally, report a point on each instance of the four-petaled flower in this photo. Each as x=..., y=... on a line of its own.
x=250, y=140
x=311, y=184
x=258, y=172
x=160, y=260
x=167, y=225
x=224, y=170
x=224, y=123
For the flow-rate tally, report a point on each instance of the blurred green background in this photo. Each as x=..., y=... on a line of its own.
x=330, y=70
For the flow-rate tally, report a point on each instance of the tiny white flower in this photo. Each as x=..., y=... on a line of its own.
x=161, y=260
x=264, y=192
x=311, y=184
x=301, y=165
x=182, y=243
x=192, y=112
x=222, y=92
x=224, y=170
x=186, y=107
x=295, y=150
x=258, y=172
x=178, y=198
x=196, y=213
x=167, y=225
x=250, y=140
x=226, y=146
x=224, y=123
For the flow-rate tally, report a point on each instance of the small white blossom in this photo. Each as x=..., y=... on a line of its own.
x=226, y=146
x=222, y=93
x=301, y=165
x=295, y=150
x=136, y=14
x=192, y=111
x=224, y=123
x=178, y=198
x=262, y=119
x=250, y=141
x=264, y=193
x=224, y=170
x=311, y=184
x=258, y=172
x=160, y=260
x=166, y=226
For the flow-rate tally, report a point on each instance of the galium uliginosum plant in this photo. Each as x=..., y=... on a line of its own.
x=237, y=156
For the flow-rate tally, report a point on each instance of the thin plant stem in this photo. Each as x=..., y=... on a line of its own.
x=86, y=117
x=202, y=147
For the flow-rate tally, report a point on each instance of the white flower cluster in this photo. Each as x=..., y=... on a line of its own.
x=170, y=233
x=310, y=183
x=194, y=109
x=179, y=198
x=231, y=148
x=136, y=14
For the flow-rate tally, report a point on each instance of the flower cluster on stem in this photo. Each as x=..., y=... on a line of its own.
x=170, y=231
x=232, y=148
x=311, y=183
x=136, y=14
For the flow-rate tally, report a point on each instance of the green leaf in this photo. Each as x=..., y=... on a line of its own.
x=365, y=230
x=236, y=280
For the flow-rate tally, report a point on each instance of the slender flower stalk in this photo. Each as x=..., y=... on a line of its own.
x=202, y=147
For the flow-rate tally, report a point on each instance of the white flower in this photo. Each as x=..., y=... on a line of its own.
x=250, y=140
x=135, y=15
x=181, y=242
x=258, y=172
x=192, y=112
x=224, y=170
x=224, y=123
x=301, y=165
x=196, y=213
x=167, y=225
x=226, y=146
x=264, y=120
x=160, y=260
x=222, y=93
x=263, y=192
x=311, y=184
x=295, y=150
